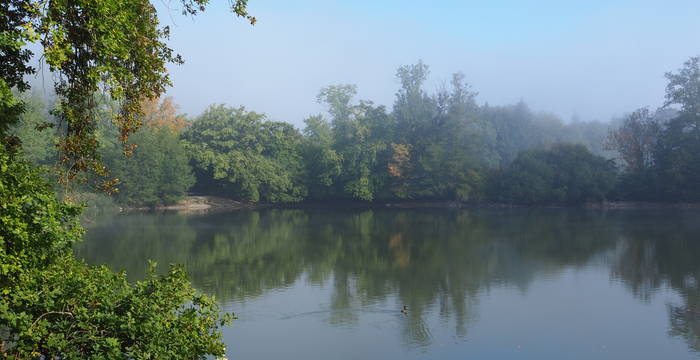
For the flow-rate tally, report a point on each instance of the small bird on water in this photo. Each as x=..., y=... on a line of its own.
x=404, y=310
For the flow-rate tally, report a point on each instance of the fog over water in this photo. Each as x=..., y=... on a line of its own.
x=591, y=60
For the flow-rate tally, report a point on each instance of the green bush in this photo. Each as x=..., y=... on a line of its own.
x=54, y=306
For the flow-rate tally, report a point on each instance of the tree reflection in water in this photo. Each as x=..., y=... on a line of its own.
x=430, y=260
x=659, y=249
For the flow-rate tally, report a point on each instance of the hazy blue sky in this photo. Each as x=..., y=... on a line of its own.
x=592, y=58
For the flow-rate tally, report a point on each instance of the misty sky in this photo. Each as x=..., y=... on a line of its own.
x=595, y=59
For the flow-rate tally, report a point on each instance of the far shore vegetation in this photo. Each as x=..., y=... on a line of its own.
x=440, y=146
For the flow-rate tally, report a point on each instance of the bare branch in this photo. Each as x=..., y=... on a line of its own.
x=50, y=313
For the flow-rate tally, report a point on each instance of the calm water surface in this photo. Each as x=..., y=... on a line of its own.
x=482, y=284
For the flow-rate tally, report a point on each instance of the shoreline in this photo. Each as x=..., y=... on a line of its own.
x=201, y=203
x=206, y=203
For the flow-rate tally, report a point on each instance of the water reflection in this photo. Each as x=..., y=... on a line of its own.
x=661, y=250
x=433, y=261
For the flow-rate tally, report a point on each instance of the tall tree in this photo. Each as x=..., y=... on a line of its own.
x=116, y=47
x=414, y=109
x=440, y=140
x=323, y=163
x=679, y=162
x=636, y=140
x=683, y=87
x=358, y=139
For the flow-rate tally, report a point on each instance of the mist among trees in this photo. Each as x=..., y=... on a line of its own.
x=430, y=146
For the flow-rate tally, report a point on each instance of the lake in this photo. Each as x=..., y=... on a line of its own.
x=482, y=284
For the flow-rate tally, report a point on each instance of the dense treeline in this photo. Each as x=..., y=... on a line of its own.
x=428, y=146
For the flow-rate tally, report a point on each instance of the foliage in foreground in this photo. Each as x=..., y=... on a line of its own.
x=116, y=47
x=53, y=305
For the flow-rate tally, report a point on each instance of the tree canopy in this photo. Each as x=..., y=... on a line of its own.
x=428, y=146
x=240, y=153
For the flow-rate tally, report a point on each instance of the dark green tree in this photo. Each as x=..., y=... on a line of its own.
x=441, y=139
x=359, y=139
x=158, y=170
x=562, y=174
x=157, y=173
x=323, y=164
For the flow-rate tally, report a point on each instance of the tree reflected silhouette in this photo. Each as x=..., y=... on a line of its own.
x=660, y=250
x=433, y=261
